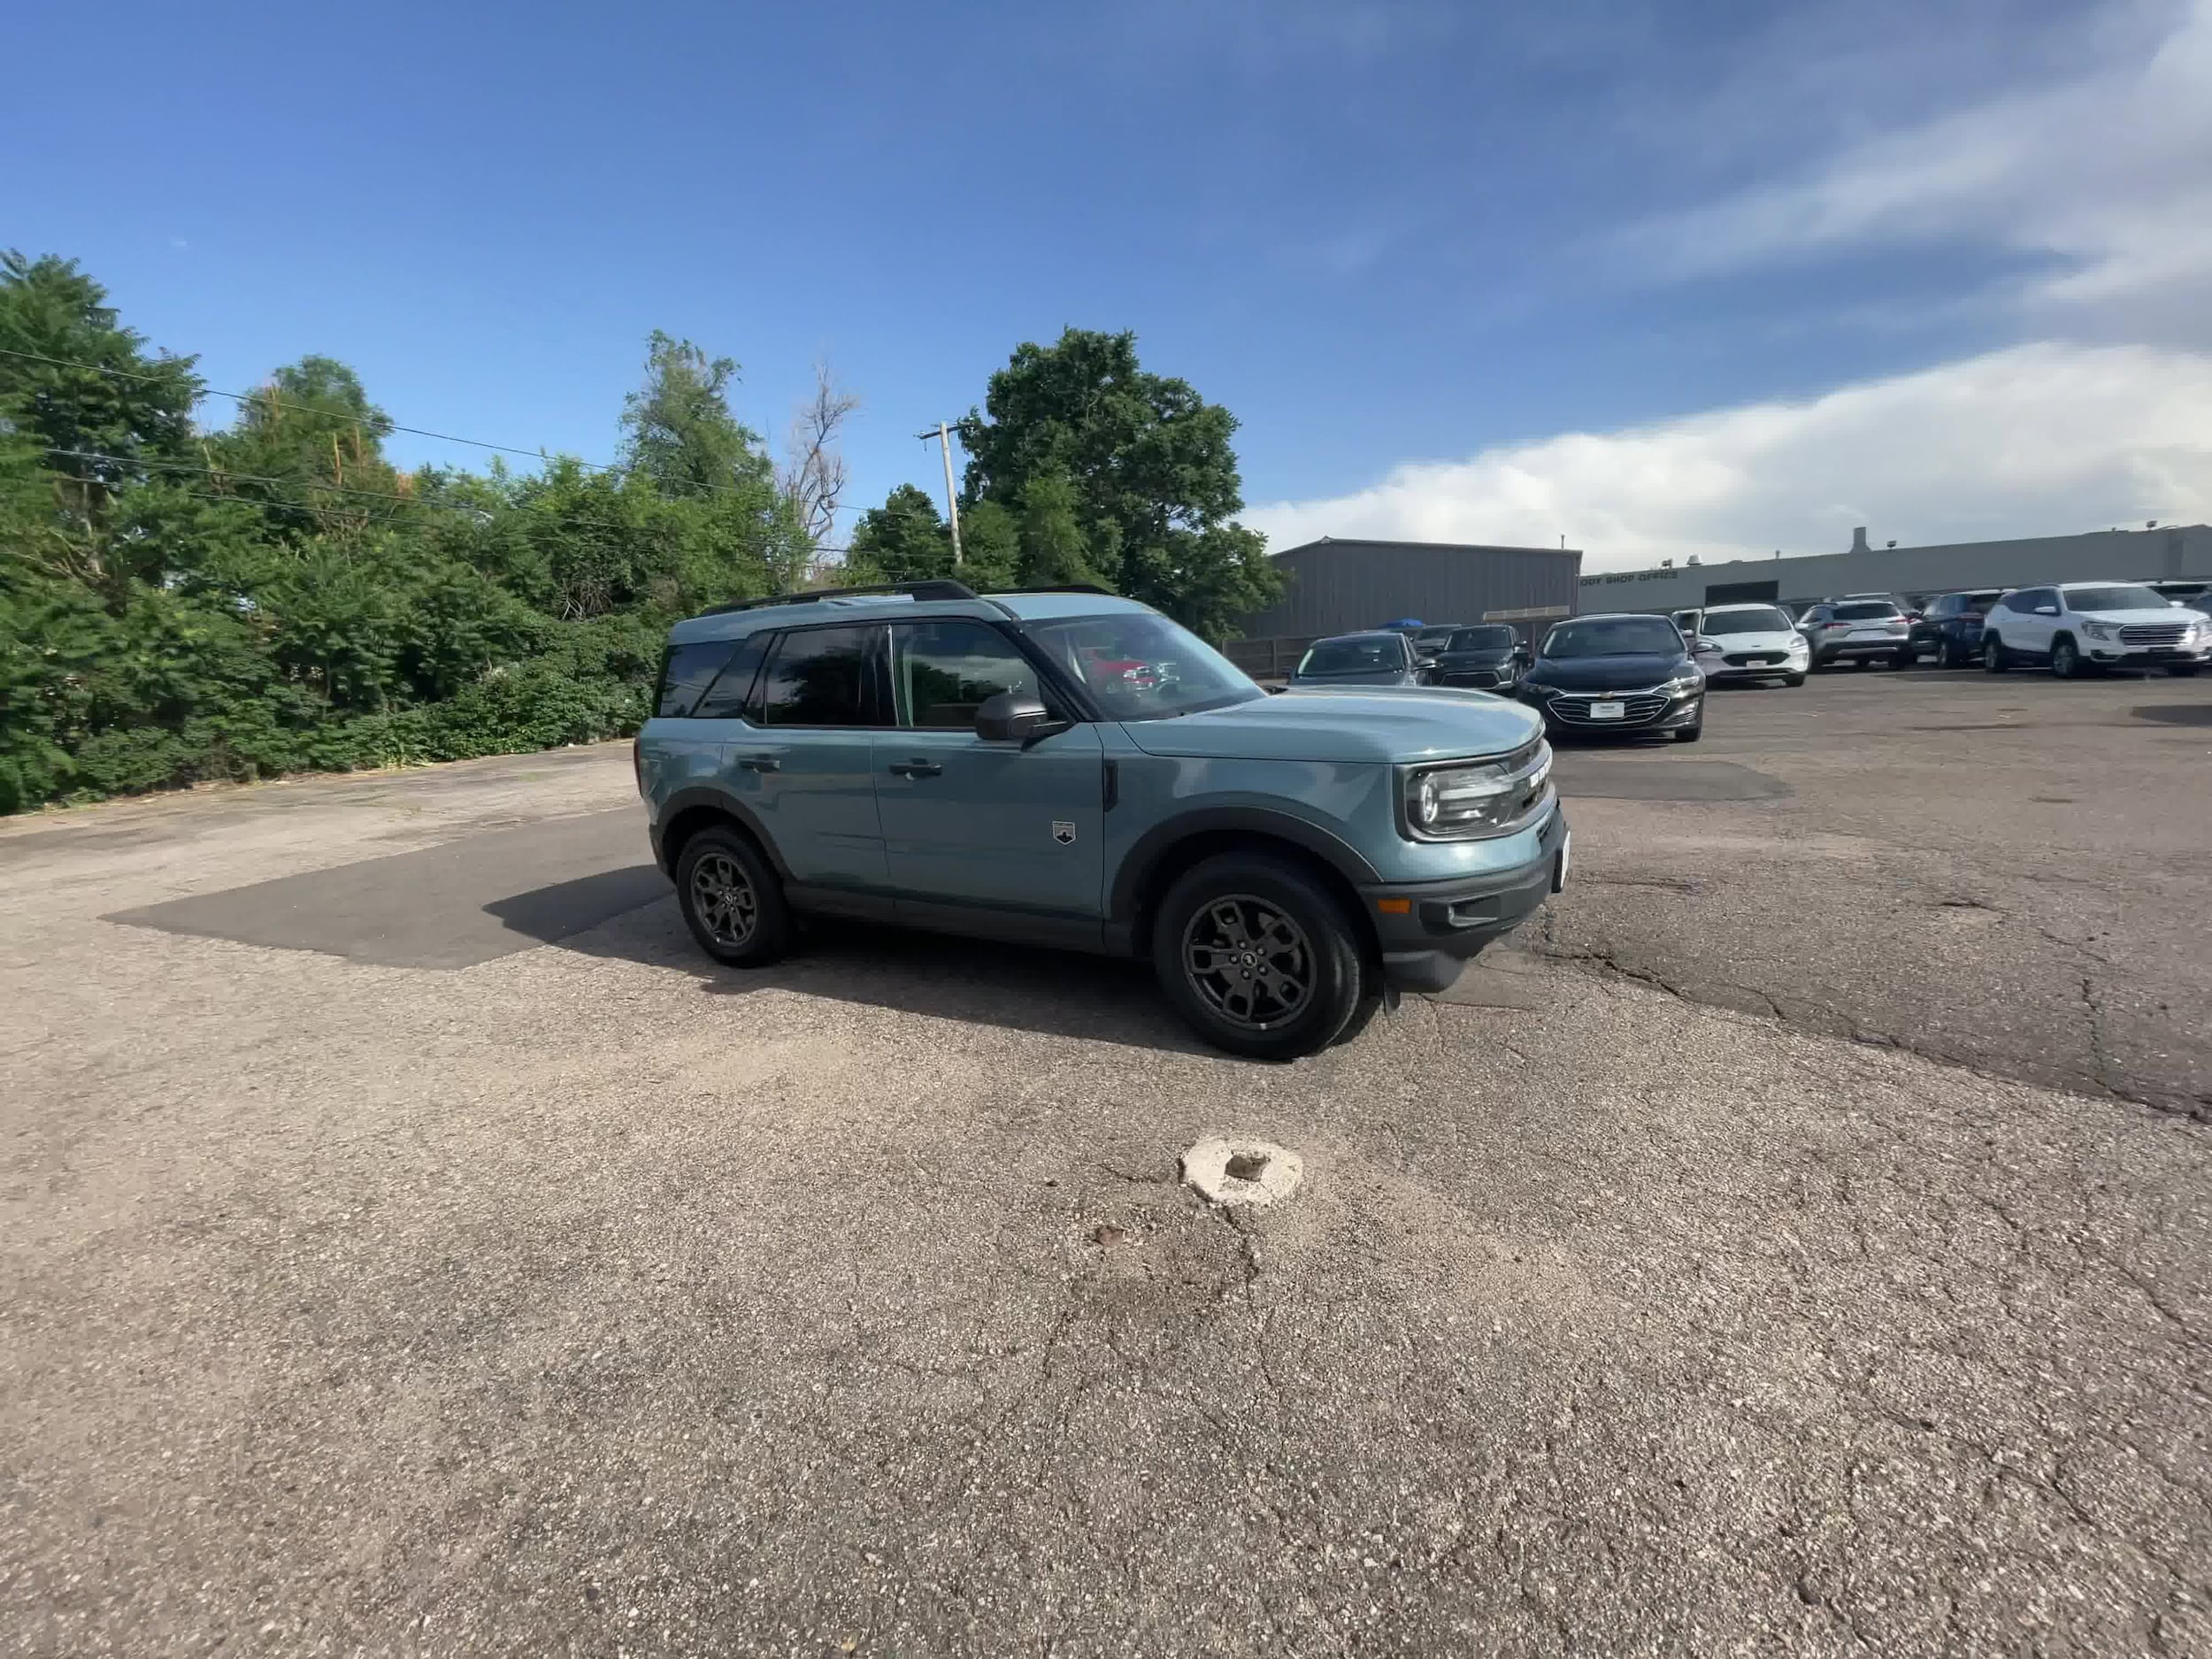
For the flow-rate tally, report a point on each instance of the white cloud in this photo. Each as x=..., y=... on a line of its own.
x=2105, y=180
x=2036, y=440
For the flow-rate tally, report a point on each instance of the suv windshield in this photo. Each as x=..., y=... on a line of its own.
x=1499, y=638
x=1765, y=620
x=1614, y=636
x=1353, y=656
x=1143, y=667
x=1433, y=638
x=1866, y=610
x=2129, y=597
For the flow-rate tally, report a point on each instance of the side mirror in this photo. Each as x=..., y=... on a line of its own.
x=1010, y=717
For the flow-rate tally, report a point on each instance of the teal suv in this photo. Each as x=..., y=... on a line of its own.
x=1072, y=769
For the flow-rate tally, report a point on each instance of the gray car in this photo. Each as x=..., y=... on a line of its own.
x=1381, y=658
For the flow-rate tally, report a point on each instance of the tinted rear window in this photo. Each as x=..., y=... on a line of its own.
x=728, y=697
x=818, y=677
x=687, y=672
x=1861, y=612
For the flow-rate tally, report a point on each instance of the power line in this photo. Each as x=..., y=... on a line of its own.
x=271, y=400
x=221, y=473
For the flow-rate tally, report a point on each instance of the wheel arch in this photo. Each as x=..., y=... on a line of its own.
x=688, y=811
x=1161, y=857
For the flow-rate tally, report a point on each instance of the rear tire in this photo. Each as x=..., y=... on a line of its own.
x=732, y=901
x=1995, y=658
x=1258, y=957
x=1949, y=656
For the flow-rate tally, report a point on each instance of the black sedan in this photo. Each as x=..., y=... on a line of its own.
x=1618, y=674
x=1381, y=658
x=1488, y=658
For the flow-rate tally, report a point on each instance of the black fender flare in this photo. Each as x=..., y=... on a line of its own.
x=718, y=801
x=1156, y=843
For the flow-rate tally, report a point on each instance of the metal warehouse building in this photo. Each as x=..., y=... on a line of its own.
x=1909, y=572
x=1336, y=587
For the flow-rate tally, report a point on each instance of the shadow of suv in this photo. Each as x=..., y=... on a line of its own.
x=994, y=766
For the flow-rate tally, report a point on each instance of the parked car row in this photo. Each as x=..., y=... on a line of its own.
x=2076, y=627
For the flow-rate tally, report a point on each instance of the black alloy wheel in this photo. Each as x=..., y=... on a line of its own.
x=731, y=899
x=1259, y=956
x=1249, y=961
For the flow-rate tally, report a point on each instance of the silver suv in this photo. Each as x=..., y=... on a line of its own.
x=1857, y=628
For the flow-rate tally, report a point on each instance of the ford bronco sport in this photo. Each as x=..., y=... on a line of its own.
x=1072, y=769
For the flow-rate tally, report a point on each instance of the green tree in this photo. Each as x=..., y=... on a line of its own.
x=905, y=539
x=96, y=409
x=1053, y=549
x=1152, y=468
x=681, y=433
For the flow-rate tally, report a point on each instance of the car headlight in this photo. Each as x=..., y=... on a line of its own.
x=1474, y=799
x=2097, y=630
x=1537, y=687
x=1796, y=646
x=1682, y=685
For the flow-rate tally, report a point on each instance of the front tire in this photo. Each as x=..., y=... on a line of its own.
x=1792, y=679
x=2183, y=671
x=2065, y=659
x=1907, y=657
x=732, y=901
x=1257, y=957
x=1690, y=734
x=1995, y=659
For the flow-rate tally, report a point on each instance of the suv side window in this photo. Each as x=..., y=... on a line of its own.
x=818, y=677
x=730, y=697
x=942, y=671
x=2026, y=602
x=685, y=671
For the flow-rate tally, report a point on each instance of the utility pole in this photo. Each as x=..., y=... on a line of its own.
x=944, y=435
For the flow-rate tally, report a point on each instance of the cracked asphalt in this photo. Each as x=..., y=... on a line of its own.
x=1797, y=1245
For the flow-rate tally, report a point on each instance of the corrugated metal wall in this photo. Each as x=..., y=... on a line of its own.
x=1338, y=587
x=2098, y=555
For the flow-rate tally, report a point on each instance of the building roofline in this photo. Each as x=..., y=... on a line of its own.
x=1441, y=547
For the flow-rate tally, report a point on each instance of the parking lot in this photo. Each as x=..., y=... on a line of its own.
x=1795, y=1242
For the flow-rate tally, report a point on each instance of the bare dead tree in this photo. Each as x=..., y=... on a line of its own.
x=814, y=471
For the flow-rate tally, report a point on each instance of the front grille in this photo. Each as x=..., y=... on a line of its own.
x=1750, y=659
x=1634, y=710
x=1475, y=679
x=2154, y=633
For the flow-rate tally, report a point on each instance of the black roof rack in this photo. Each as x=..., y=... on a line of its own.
x=1064, y=587
x=922, y=590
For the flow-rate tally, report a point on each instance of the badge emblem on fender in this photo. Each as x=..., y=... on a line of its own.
x=1062, y=831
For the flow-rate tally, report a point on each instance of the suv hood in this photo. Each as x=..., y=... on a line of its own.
x=2135, y=618
x=1381, y=724
x=1355, y=676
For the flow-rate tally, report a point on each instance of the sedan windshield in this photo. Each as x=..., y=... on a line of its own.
x=1499, y=638
x=1353, y=656
x=1765, y=620
x=2127, y=597
x=1614, y=636
x=1143, y=667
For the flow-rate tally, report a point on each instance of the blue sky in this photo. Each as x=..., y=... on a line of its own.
x=1657, y=278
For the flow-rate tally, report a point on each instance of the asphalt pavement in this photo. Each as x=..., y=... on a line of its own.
x=1794, y=1243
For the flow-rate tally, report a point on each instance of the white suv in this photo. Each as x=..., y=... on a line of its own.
x=2078, y=627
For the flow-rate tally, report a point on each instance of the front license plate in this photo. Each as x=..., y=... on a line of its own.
x=1608, y=710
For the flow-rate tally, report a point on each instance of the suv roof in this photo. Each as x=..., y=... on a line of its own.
x=1746, y=604
x=907, y=599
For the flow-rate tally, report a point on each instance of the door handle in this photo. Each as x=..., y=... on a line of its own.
x=758, y=763
x=916, y=768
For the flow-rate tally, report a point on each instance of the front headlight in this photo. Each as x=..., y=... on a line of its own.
x=1478, y=799
x=1682, y=685
x=1536, y=687
x=1796, y=646
x=2097, y=630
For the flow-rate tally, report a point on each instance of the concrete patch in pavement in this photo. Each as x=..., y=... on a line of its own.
x=1242, y=1174
x=2175, y=713
x=451, y=906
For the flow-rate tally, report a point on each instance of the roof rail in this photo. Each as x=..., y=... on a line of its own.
x=921, y=590
x=1064, y=588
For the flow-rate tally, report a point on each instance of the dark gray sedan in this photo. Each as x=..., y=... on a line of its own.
x=1378, y=658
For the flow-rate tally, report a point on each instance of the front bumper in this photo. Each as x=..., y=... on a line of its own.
x=1651, y=710
x=1430, y=929
x=1723, y=671
x=2113, y=655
